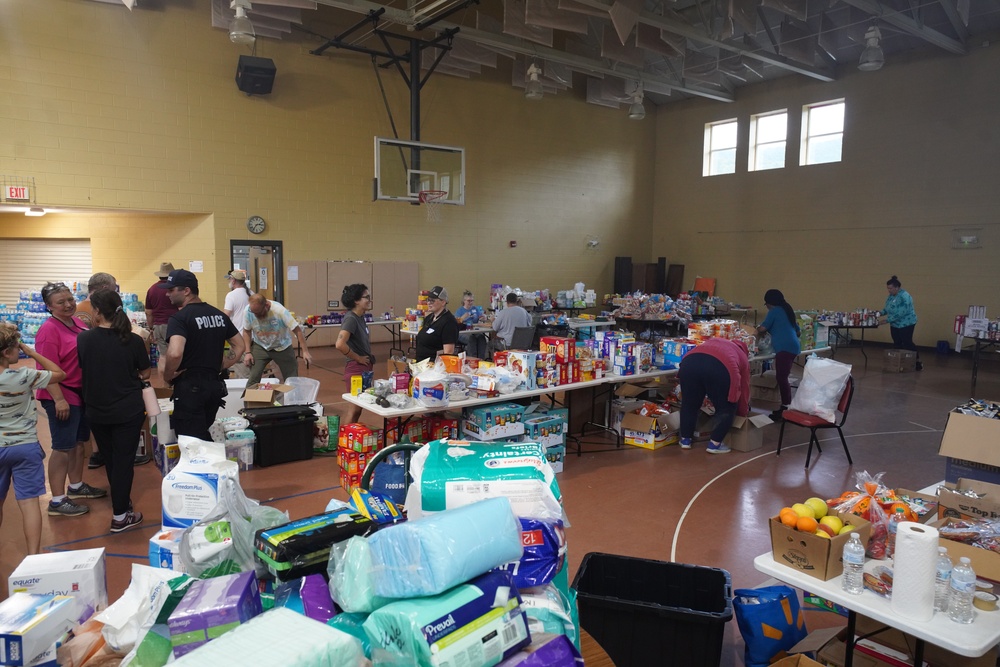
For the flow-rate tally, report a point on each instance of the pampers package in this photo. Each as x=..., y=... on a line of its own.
x=450, y=473
x=429, y=555
x=478, y=623
x=191, y=490
x=79, y=574
x=212, y=607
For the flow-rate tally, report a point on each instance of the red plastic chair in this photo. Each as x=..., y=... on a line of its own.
x=814, y=423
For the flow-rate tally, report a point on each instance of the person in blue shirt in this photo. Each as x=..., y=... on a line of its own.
x=780, y=323
x=468, y=315
x=898, y=311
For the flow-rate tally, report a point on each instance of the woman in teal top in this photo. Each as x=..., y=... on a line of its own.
x=780, y=323
x=902, y=318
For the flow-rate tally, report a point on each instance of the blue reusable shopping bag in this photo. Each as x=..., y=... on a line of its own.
x=389, y=478
x=770, y=621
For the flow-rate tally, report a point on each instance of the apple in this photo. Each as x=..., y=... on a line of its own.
x=833, y=522
x=822, y=533
x=825, y=529
x=804, y=510
x=819, y=507
x=846, y=529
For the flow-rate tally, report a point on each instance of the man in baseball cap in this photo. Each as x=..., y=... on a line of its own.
x=158, y=312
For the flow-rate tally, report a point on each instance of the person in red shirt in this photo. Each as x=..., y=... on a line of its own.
x=158, y=312
x=720, y=369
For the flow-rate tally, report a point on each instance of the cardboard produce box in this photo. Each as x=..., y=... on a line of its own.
x=930, y=503
x=816, y=556
x=765, y=388
x=746, y=434
x=986, y=563
x=829, y=647
x=956, y=504
x=969, y=442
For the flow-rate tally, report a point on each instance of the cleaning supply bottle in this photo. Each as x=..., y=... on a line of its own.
x=854, y=565
x=963, y=587
x=942, y=580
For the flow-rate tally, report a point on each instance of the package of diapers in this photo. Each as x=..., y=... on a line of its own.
x=548, y=610
x=191, y=490
x=478, y=623
x=452, y=473
x=544, y=545
x=430, y=555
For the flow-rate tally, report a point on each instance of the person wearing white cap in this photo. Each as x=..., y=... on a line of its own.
x=236, y=305
x=440, y=330
x=158, y=312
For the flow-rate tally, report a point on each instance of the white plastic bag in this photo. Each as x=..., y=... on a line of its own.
x=823, y=382
x=128, y=619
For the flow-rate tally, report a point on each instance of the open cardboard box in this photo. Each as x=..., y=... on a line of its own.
x=816, y=556
x=930, y=503
x=969, y=443
x=264, y=395
x=935, y=656
x=986, y=563
x=650, y=432
x=955, y=504
x=765, y=388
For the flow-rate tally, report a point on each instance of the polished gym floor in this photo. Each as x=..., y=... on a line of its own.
x=684, y=506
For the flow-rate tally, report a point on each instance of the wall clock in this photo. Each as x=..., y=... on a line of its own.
x=256, y=225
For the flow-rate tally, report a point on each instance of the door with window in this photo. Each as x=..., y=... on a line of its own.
x=263, y=261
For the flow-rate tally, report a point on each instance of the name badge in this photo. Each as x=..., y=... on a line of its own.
x=431, y=330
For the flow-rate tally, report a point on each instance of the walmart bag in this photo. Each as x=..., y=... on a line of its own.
x=770, y=621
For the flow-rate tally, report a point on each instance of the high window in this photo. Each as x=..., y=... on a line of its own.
x=720, y=148
x=822, y=132
x=768, y=137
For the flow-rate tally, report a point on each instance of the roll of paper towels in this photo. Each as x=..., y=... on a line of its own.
x=914, y=569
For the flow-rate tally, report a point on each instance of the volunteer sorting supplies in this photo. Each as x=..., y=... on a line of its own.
x=478, y=623
x=430, y=555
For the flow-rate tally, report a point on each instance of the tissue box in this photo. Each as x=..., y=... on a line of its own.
x=31, y=624
x=212, y=607
x=80, y=574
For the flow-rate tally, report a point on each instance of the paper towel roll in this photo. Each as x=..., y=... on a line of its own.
x=914, y=568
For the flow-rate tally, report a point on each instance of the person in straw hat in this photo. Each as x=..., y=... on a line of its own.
x=158, y=312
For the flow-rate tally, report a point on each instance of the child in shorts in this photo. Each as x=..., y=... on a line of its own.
x=21, y=454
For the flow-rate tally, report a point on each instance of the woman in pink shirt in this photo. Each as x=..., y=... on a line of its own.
x=63, y=403
x=719, y=369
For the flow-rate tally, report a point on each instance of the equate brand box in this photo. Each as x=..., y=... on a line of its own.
x=522, y=365
x=816, y=556
x=547, y=430
x=564, y=348
x=490, y=422
x=79, y=574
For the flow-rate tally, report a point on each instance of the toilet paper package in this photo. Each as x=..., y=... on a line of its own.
x=191, y=490
x=478, y=623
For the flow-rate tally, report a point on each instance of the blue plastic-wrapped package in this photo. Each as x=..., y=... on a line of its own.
x=478, y=623
x=430, y=555
x=544, y=545
x=351, y=580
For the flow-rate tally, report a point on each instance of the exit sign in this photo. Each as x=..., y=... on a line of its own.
x=17, y=192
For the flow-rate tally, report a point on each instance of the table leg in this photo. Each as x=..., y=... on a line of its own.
x=918, y=653
x=975, y=367
x=863, y=348
x=834, y=334
x=852, y=618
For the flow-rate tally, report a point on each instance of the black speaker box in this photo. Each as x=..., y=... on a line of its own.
x=255, y=76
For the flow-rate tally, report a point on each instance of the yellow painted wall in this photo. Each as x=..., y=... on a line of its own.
x=920, y=159
x=138, y=111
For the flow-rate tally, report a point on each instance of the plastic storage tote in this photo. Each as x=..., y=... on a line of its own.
x=648, y=612
x=303, y=392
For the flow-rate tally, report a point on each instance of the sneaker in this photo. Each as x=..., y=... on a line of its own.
x=685, y=443
x=96, y=461
x=131, y=520
x=67, y=508
x=777, y=415
x=142, y=459
x=86, y=491
x=718, y=448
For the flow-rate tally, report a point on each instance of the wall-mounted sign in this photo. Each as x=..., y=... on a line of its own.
x=17, y=193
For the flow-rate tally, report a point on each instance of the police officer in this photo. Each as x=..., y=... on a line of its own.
x=196, y=339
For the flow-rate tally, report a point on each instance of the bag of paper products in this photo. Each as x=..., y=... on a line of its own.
x=823, y=382
x=430, y=388
x=486, y=611
x=351, y=580
x=430, y=555
x=452, y=473
x=128, y=619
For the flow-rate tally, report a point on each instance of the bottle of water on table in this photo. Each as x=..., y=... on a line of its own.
x=963, y=587
x=942, y=580
x=854, y=566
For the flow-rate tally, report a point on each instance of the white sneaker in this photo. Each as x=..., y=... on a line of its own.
x=685, y=443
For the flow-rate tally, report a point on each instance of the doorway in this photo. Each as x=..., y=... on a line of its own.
x=264, y=263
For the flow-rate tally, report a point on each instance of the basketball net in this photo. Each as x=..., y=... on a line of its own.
x=434, y=200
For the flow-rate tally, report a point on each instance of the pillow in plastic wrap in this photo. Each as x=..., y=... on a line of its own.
x=430, y=555
x=351, y=580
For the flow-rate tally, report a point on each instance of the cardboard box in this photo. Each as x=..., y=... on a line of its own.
x=499, y=420
x=650, y=432
x=31, y=624
x=744, y=435
x=765, y=388
x=819, y=557
x=556, y=456
x=79, y=573
x=828, y=645
x=264, y=395
x=986, y=563
x=899, y=361
x=546, y=430
x=955, y=504
x=969, y=442
x=935, y=656
x=929, y=504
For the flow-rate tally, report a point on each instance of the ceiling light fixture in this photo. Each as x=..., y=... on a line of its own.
x=872, y=58
x=533, y=87
x=636, y=111
x=240, y=28
x=35, y=211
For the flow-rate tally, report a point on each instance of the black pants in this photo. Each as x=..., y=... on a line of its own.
x=902, y=338
x=117, y=443
x=704, y=375
x=197, y=399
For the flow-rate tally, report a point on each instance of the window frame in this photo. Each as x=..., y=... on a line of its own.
x=807, y=137
x=754, y=145
x=710, y=151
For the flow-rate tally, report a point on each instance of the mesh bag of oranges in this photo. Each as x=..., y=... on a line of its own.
x=874, y=502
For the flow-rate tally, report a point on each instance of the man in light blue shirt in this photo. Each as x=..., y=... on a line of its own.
x=510, y=318
x=267, y=331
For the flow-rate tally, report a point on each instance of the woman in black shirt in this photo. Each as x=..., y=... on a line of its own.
x=115, y=367
x=440, y=330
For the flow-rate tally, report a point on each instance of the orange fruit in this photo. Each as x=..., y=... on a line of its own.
x=806, y=524
x=788, y=517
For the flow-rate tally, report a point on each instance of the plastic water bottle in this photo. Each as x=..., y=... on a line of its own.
x=963, y=587
x=854, y=566
x=895, y=519
x=942, y=580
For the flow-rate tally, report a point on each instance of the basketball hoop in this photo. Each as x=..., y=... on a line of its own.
x=434, y=199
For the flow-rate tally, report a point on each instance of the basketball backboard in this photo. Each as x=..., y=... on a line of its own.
x=403, y=169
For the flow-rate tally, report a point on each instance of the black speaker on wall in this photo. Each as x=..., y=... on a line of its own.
x=255, y=76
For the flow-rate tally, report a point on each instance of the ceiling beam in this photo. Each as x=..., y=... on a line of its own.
x=951, y=11
x=595, y=66
x=909, y=25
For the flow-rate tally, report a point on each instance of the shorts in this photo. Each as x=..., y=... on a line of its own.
x=23, y=463
x=160, y=338
x=65, y=434
x=353, y=368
